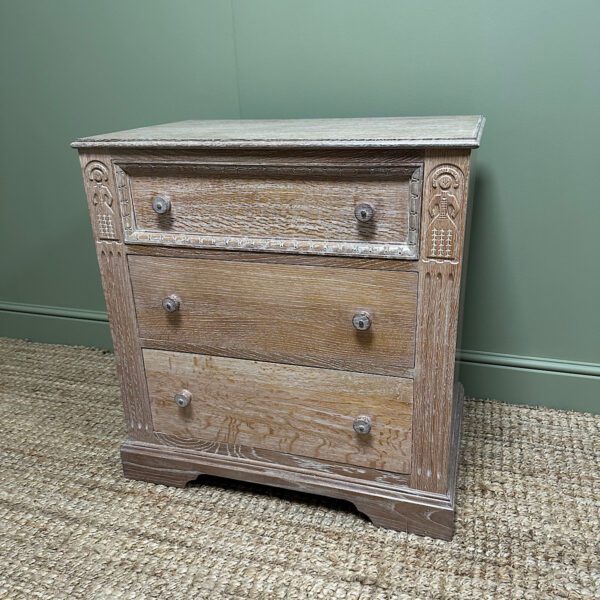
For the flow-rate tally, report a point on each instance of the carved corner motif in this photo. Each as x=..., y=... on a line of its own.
x=445, y=187
x=97, y=181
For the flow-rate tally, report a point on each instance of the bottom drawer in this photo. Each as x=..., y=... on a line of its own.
x=304, y=411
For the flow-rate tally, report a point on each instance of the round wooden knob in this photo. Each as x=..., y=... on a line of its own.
x=183, y=398
x=171, y=303
x=362, y=320
x=364, y=212
x=161, y=205
x=362, y=424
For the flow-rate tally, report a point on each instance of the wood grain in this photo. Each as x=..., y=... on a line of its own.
x=273, y=207
x=307, y=157
x=385, y=132
x=400, y=509
x=439, y=294
x=290, y=409
x=267, y=201
x=104, y=212
x=455, y=431
x=280, y=313
x=340, y=262
x=263, y=248
x=128, y=357
x=374, y=477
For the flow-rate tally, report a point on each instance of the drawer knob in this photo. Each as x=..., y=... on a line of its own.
x=183, y=398
x=171, y=303
x=161, y=205
x=362, y=424
x=362, y=320
x=364, y=212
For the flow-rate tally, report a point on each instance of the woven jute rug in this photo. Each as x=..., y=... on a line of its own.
x=72, y=527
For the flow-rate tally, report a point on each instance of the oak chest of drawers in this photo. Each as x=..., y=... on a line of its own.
x=284, y=300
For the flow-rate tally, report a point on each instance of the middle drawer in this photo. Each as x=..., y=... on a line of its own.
x=277, y=312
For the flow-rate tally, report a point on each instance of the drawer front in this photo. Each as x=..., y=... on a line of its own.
x=297, y=410
x=364, y=211
x=278, y=313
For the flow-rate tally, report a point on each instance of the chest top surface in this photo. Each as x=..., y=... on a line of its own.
x=383, y=132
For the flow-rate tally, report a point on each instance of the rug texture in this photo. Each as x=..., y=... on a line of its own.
x=72, y=527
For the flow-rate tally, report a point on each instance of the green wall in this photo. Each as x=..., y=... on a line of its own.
x=70, y=68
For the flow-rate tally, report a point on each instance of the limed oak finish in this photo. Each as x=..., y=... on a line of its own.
x=291, y=409
x=278, y=312
x=284, y=300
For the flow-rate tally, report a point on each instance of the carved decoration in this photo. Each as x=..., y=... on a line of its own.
x=125, y=200
x=407, y=250
x=101, y=199
x=121, y=311
x=416, y=188
x=436, y=333
x=446, y=189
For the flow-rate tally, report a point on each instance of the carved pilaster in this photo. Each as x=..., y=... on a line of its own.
x=128, y=354
x=444, y=207
x=436, y=339
x=102, y=197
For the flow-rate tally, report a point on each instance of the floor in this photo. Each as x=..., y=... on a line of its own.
x=72, y=527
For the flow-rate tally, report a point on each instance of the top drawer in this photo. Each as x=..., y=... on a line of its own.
x=334, y=209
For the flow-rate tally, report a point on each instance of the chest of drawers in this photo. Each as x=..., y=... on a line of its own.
x=284, y=299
